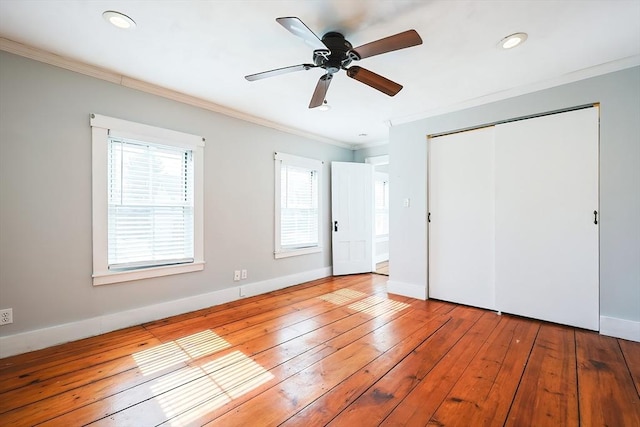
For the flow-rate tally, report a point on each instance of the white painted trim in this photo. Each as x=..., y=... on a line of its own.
x=141, y=132
x=101, y=128
x=110, y=76
x=284, y=253
x=280, y=159
x=378, y=160
x=108, y=277
x=620, y=328
x=370, y=144
x=58, y=334
x=407, y=289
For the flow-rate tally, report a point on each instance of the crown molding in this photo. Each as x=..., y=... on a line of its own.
x=46, y=57
x=371, y=144
x=597, y=70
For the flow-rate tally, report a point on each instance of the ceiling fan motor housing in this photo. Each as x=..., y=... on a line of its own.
x=339, y=53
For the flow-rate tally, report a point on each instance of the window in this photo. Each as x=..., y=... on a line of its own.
x=382, y=203
x=298, y=207
x=147, y=201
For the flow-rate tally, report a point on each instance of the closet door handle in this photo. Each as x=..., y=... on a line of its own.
x=335, y=225
x=595, y=217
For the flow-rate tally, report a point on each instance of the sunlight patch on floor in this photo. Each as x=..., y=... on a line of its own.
x=165, y=355
x=202, y=344
x=190, y=393
x=342, y=296
x=378, y=306
x=160, y=357
x=228, y=378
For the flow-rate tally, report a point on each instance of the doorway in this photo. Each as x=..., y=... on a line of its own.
x=381, y=213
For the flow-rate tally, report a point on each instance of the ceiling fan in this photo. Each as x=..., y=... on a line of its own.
x=333, y=53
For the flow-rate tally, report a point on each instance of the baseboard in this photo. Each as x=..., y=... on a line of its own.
x=620, y=328
x=407, y=289
x=47, y=337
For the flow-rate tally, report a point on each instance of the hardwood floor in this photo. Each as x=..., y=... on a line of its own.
x=382, y=268
x=337, y=351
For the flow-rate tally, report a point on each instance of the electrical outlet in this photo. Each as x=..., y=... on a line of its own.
x=244, y=274
x=242, y=292
x=6, y=316
x=236, y=275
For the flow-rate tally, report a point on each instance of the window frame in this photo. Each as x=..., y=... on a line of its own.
x=302, y=162
x=102, y=127
x=382, y=177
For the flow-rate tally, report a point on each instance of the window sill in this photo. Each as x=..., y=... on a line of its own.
x=108, y=277
x=296, y=252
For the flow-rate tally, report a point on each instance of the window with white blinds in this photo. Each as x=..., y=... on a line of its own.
x=147, y=196
x=382, y=204
x=150, y=204
x=297, y=205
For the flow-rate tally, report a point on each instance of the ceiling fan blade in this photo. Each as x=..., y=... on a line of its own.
x=374, y=80
x=320, y=93
x=298, y=28
x=278, y=71
x=388, y=44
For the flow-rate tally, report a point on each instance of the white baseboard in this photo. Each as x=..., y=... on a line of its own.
x=620, y=328
x=58, y=334
x=407, y=289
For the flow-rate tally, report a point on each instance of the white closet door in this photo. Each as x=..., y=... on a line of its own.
x=461, y=186
x=546, y=241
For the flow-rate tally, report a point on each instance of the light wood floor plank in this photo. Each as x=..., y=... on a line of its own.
x=483, y=395
x=548, y=392
x=631, y=353
x=423, y=401
x=606, y=393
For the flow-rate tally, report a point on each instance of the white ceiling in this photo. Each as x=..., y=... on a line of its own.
x=205, y=48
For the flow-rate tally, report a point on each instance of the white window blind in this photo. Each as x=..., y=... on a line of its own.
x=150, y=204
x=298, y=207
x=382, y=206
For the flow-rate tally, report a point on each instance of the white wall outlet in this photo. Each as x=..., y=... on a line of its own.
x=236, y=275
x=6, y=316
x=406, y=202
x=243, y=275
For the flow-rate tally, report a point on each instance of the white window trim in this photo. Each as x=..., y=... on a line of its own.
x=101, y=128
x=317, y=165
x=385, y=177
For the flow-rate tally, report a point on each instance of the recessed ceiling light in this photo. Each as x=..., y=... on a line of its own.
x=119, y=20
x=513, y=40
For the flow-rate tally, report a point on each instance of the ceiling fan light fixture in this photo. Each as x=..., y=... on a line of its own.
x=324, y=106
x=119, y=20
x=513, y=40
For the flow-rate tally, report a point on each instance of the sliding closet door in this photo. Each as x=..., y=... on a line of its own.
x=461, y=252
x=546, y=242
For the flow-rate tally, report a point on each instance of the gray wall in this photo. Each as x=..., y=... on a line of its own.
x=45, y=196
x=619, y=97
x=361, y=154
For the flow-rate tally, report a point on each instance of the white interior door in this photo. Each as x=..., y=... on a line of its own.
x=352, y=217
x=546, y=241
x=461, y=228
